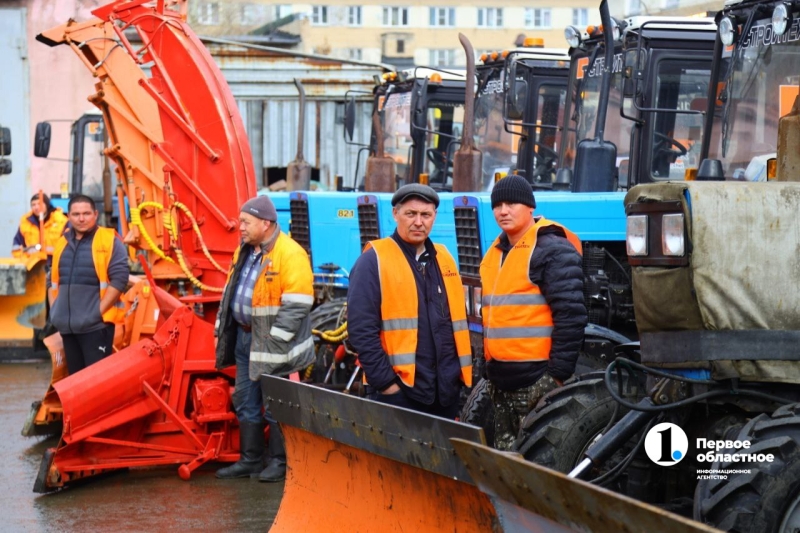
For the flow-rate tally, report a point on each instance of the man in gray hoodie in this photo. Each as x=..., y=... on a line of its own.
x=89, y=274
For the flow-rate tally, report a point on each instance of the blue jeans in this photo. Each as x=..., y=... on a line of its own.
x=247, y=399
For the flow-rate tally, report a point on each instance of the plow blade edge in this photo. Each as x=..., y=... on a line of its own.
x=363, y=465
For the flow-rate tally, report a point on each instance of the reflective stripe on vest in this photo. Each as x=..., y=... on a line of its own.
x=399, y=308
x=517, y=321
x=102, y=249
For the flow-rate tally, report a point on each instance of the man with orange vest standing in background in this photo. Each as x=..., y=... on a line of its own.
x=533, y=309
x=28, y=236
x=407, y=315
x=89, y=274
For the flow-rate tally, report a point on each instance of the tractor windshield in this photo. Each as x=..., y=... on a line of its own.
x=498, y=146
x=760, y=86
x=397, y=130
x=676, y=140
x=585, y=87
x=93, y=159
x=445, y=122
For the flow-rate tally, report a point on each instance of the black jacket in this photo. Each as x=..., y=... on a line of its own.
x=437, y=370
x=557, y=268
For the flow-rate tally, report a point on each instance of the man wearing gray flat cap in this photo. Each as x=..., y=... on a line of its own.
x=407, y=315
x=263, y=327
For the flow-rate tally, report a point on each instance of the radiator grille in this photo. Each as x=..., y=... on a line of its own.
x=468, y=238
x=368, y=226
x=299, y=225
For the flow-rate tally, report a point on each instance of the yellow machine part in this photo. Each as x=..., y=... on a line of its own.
x=46, y=415
x=20, y=314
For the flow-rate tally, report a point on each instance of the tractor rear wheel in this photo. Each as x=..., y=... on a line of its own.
x=567, y=420
x=479, y=410
x=765, y=497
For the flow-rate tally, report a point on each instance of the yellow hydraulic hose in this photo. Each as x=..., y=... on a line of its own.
x=337, y=335
x=171, y=226
x=136, y=220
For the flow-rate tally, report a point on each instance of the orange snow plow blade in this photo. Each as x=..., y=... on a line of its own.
x=365, y=466
x=530, y=497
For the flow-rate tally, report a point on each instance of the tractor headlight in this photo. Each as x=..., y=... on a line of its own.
x=727, y=30
x=468, y=300
x=672, y=235
x=636, y=235
x=573, y=36
x=477, y=293
x=781, y=19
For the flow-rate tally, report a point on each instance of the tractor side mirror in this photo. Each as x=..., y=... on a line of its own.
x=41, y=143
x=5, y=141
x=633, y=72
x=516, y=94
x=350, y=118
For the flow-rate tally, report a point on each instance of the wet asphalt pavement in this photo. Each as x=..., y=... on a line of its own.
x=134, y=500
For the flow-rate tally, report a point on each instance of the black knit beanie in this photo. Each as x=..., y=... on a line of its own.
x=514, y=190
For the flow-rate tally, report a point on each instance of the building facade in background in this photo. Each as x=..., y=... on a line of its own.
x=401, y=33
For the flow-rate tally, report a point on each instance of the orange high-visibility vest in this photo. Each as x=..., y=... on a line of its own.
x=53, y=229
x=102, y=248
x=399, y=308
x=517, y=321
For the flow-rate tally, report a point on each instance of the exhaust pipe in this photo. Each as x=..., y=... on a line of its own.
x=467, y=163
x=596, y=159
x=381, y=171
x=298, y=173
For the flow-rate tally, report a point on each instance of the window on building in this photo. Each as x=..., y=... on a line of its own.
x=282, y=10
x=250, y=14
x=319, y=15
x=580, y=17
x=354, y=16
x=537, y=18
x=208, y=14
x=443, y=58
x=442, y=17
x=401, y=46
x=354, y=53
x=395, y=16
x=490, y=17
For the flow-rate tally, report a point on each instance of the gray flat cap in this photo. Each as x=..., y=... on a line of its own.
x=261, y=207
x=423, y=192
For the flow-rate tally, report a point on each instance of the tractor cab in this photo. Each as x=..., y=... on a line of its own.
x=90, y=171
x=421, y=114
x=756, y=85
x=659, y=84
x=518, y=108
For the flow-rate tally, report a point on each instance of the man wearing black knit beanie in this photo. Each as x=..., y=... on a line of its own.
x=533, y=309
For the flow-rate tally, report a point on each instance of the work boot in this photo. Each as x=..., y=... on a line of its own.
x=251, y=449
x=276, y=465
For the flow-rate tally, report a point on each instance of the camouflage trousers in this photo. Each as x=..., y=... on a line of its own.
x=511, y=408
